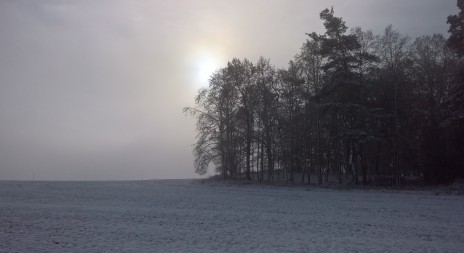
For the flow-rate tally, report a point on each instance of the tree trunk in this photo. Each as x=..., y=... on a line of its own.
x=262, y=157
x=351, y=162
x=270, y=164
x=396, y=168
x=248, y=146
x=319, y=160
x=339, y=164
x=364, y=164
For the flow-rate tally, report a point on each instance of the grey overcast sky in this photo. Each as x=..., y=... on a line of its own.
x=94, y=90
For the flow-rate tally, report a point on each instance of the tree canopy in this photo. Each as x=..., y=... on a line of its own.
x=352, y=106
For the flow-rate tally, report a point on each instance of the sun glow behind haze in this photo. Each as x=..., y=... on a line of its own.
x=95, y=89
x=206, y=66
x=205, y=63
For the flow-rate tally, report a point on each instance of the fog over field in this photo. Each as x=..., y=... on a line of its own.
x=94, y=90
x=231, y=126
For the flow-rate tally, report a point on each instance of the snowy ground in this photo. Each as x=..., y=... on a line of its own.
x=186, y=216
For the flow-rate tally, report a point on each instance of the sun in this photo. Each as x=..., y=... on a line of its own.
x=203, y=61
x=206, y=65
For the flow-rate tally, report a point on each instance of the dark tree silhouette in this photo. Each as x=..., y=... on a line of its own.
x=455, y=123
x=350, y=104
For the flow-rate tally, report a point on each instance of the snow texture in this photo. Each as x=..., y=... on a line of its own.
x=186, y=216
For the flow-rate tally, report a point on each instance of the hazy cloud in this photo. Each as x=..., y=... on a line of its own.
x=95, y=89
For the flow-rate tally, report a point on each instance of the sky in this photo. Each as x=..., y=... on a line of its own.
x=94, y=90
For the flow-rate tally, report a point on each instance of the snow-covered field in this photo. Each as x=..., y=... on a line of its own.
x=186, y=216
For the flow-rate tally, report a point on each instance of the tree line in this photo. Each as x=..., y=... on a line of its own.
x=352, y=106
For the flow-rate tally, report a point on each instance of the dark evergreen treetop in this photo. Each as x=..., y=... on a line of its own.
x=456, y=30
